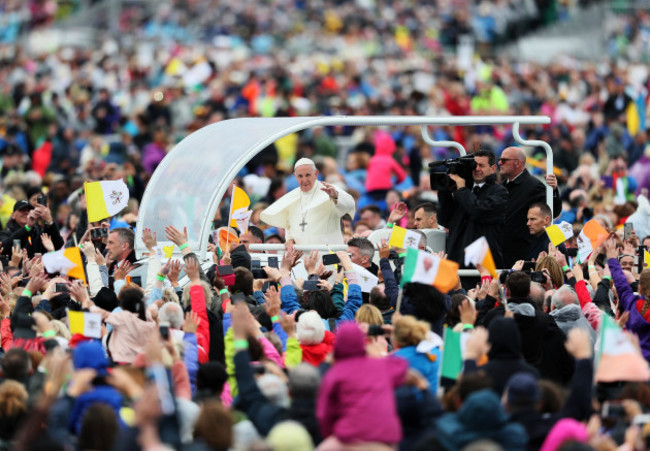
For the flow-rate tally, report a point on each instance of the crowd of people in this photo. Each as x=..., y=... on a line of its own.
x=193, y=356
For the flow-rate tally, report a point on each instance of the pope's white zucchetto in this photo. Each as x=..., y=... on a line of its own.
x=303, y=162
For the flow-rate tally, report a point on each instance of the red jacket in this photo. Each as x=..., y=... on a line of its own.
x=197, y=298
x=315, y=354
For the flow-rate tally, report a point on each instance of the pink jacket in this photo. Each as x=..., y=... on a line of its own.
x=357, y=389
x=130, y=334
x=382, y=166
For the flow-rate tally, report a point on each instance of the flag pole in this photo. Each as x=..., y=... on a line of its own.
x=399, y=301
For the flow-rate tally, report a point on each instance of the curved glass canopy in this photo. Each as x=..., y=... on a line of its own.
x=188, y=185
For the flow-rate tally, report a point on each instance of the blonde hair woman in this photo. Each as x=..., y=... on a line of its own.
x=416, y=343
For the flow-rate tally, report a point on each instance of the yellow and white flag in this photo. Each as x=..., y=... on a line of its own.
x=238, y=203
x=85, y=323
x=366, y=279
x=65, y=261
x=105, y=199
x=646, y=259
x=559, y=233
x=242, y=217
x=404, y=238
x=479, y=252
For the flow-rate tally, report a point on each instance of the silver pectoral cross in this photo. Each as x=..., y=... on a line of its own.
x=303, y=224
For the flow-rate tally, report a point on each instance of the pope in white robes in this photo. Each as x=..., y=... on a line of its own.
x=311, y=213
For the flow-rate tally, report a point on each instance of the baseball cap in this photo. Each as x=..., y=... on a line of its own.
x=22, y=204
x=522, y=388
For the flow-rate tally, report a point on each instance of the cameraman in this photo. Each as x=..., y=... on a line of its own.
x=470, y=212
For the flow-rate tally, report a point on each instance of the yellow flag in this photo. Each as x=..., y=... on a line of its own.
x=646, y=259
x=238, y=201
x=403, y=238
x=105, y=199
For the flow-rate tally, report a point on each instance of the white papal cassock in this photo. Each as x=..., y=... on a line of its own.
x=312, y=217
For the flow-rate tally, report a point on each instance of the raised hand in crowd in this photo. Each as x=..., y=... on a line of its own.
x=273, y=302
x=17, y=255
x=174, y=271
x=80, y=294
x=123, y=270
x=89, y=250
x=310, y=262
x=192, y=270
x=611, y=248
x=384, y=249
x=149, y=239
x=468, y=313
x=345, y=260
x=288, y=323
x=47, y=242
x=323, y=272
x=175, y=236
x=399, y=211
x=191, y=323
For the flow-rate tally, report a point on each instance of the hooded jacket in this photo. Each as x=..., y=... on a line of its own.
x=505, y=357
x=315, y=354
x=480, y=417
x=542, y=341
x=356, y=401
x=382, y=165
x=571, y=316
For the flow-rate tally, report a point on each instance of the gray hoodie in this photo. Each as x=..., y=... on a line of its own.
x=571, y=316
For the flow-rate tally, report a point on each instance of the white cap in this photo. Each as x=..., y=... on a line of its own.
x=303, y=162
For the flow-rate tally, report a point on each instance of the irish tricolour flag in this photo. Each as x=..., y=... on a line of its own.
x=618, y=358
x=429, y=269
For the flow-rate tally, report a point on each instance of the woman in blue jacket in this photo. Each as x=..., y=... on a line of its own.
x=416, y=343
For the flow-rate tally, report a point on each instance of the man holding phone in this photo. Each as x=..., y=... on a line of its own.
x=24, y=226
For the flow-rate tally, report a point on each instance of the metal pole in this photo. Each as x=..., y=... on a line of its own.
x=432, y=142
x=259, y=247
x=549, y=159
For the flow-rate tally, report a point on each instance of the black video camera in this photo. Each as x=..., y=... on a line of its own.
x=439, y=172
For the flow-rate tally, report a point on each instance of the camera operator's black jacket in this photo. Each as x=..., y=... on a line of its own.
x=469, y=216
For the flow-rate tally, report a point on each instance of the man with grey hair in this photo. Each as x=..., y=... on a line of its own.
x=566, y=311
x=311, y=213
x=536, y=295
x=171, y=313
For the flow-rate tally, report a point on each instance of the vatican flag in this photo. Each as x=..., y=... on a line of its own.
x=105, y=199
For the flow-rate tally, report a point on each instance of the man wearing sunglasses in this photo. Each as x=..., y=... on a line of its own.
x=524, y=190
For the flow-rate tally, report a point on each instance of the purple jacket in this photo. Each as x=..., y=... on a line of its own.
x=627, y=298
x=356, y=401
x=152, y=155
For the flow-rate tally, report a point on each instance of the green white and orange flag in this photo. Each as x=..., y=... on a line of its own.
x=618, y=358
x=452, y=353
x=479, y=252
x=429, y=269
x=592, y=236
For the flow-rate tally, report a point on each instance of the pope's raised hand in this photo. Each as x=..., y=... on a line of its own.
x=330, y=190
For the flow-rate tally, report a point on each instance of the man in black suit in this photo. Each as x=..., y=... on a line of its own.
x=470, y=212
x=524, y=190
